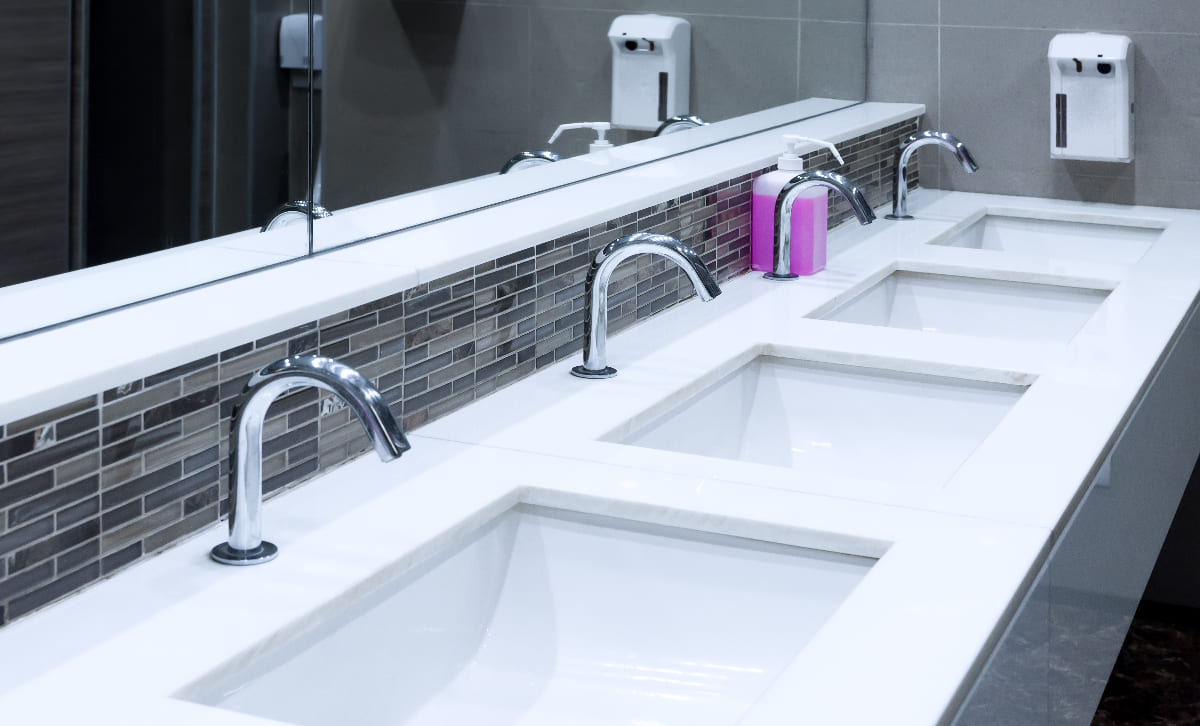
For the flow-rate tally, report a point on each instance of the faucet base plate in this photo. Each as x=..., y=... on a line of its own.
x=898, y=217
x=779, y=278
x=606, y=372
x=227, y=555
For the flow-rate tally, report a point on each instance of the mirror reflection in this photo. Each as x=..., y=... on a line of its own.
x=122, y=148
x=136, y=168
x=417, y=94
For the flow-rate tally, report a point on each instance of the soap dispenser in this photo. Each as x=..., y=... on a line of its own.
x=600, y=127
x=810, y=214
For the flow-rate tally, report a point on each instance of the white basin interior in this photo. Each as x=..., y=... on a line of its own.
x=547, y=617
x=908, y=429
x=972, y=306
x=1099, y=242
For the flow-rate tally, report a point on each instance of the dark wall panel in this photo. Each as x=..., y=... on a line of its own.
x=34, y=137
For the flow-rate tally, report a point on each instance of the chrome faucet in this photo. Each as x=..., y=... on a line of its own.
x=675, y=124
x=290, y=212
x=911, y=144
x=528, y=160
x=595, y=326
x=782, y=266
x=245, y=545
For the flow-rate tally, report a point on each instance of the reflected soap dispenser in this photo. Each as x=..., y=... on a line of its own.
x=810, y=214
x=600, y=127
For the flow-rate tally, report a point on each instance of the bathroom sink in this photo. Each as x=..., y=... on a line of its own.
x=906, y=429
x=1083, y=240
x=547, y=617
x=972, y=306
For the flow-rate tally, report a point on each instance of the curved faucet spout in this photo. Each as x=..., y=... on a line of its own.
x=595, y=326
x=782, y=265
x=911, y=144
x=675, y=124
x=529, y=159
x=245, y=545
x=292, y=212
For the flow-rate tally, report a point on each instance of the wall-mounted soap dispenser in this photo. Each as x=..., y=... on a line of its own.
x=1091, y=97
x=652, y=60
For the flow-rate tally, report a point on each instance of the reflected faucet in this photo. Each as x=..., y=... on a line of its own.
x=528, y=160
x=292, y=212
x=782, y=268
x=911, y=144
x=595, y=326
x=245, y=545
x=675, y=124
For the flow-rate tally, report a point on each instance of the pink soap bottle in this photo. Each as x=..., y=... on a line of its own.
x=810, y=214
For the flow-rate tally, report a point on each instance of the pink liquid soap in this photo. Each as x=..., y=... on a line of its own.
x=810, y=218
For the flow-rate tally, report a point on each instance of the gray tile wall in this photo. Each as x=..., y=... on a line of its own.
x=422, y=92
x=93, y=485
x=980, y=67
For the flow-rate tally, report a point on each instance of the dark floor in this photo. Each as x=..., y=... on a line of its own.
x=1156, y=679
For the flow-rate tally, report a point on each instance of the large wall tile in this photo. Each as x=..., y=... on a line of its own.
x=1167, y=101
x=994, y=98
x=788, y=9
x=903, y=65
x=921, y=12
x=833, y=59
x=839, y=10
x=1078, y=15
x=741, y=65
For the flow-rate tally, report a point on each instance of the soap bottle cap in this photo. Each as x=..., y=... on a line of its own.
x=792, y=161
x=600, y=127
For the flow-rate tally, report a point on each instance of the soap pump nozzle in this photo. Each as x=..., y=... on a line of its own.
x=792, y=161
x=600, y=127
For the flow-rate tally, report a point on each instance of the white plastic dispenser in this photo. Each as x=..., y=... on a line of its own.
x=600, y=127
x=652, y=61
x=293, y=46
x=1091, y=97
x=810, y=213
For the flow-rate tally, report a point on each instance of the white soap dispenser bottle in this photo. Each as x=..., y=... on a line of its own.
x=810, y=214
x=600, y=127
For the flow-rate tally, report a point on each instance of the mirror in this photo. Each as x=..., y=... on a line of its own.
x=152, y=139
x=139, y=169
x=418, y=94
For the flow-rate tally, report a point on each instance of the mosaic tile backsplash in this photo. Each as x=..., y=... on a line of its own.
x=93, y=485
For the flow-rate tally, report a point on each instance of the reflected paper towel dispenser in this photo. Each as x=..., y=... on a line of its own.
x=1091, y=97
x=652, y=58
x=293, y=46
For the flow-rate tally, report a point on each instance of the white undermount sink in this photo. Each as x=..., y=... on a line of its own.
x=847, y=421
x=543, y=618
x=1098, y=241
x=972, y=306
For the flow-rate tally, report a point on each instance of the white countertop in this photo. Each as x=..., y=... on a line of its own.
x=1028, y=471
x=165, y=623
x=954, y=557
